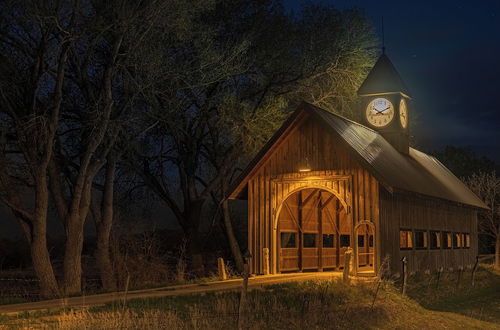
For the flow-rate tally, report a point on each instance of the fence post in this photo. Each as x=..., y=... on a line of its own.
x=265, y=252
x=242, y=311
x=474, y=269
x=347, y=265
x=405, y=275
x=222, y=269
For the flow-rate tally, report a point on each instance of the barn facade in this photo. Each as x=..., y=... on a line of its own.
x=324, y=184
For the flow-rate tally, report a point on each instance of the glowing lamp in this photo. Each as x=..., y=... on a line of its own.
x=305, y=167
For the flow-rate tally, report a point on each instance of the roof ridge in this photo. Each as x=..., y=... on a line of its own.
x=342, y=117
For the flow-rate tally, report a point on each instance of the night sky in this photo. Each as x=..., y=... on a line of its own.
x=448, y=54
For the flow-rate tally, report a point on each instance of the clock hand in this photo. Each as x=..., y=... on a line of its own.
x=380, y=111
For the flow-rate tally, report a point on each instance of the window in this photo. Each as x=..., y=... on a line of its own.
x=370, y=241
x=405, y=239
x=288, y=240
x=447, y=240
x=456, y=241
x=361, y=240
x=328, y=240
x=435, y=240
x=467, y=240
x=345, y=240
x=421, y=239
x=310, y=240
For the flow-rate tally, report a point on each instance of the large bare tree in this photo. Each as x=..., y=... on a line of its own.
x=65, y=104
x=487, y=187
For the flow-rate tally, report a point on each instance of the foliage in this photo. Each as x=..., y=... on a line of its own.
x=463, y=162
x=487, y=187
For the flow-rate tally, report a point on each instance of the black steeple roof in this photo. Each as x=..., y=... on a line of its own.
x=383, y=78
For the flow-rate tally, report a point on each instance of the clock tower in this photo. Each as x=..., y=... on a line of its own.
x=384, y=105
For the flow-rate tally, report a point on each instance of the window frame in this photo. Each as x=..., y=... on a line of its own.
x=316, y=239
x=445, y=239
x=467, y=243
x=425, y=239
x=410, y=232
x=334, y=241
x=439, y=237
x=296, y=234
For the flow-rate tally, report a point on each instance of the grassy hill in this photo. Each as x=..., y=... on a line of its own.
x=446, y=301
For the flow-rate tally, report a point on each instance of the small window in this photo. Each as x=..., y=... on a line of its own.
x=405, y=239
x=456, y=240
x=370, y=241
x=435, y=240
x=467, y=240
x=447, y=240
x=361, y=240
x=310, y=240
x=421, y=239
x=462, y=240
x=289, y=240
x=328, y=240
x=345, y=240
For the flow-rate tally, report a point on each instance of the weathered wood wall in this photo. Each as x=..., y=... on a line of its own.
x=333, y=168
x=408, y=211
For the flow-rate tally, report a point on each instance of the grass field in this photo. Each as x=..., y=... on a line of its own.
x=447, y=302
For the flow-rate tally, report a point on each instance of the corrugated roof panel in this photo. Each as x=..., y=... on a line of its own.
x=416, y=172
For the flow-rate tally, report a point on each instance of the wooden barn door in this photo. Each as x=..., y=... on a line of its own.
x=312, y=231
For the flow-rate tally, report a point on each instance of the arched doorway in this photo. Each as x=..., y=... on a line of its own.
x=313, y=231
x=365, y=248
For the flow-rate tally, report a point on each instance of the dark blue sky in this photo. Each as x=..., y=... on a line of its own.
x=448, y=53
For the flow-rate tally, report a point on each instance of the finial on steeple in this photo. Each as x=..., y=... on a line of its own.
x=383, y=36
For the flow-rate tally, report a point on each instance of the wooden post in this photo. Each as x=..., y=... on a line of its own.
x=242, y=310
x=301, y=233
x=265, y=253
x=474, y=269
x=347, y=265
x=222, y=269
x=405, y=275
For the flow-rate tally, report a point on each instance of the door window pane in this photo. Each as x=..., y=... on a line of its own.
x=328, y=240
x=310, y=240
x=288, y=240
x=361, y=240
x=345, y=240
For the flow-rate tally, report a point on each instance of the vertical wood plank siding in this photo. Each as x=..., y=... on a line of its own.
x=408, y=211
x=333, y=168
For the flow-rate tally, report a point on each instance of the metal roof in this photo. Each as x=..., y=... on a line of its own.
x=383, y=78
x=416, y=172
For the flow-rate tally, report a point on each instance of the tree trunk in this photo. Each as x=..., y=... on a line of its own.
x=497, y=252
x=193, y=217
x=103, y=259
x=41, y=262
x=72, y=267
x=233, y=242
x=103, y=227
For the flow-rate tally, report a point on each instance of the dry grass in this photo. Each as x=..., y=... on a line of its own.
x=307, y=305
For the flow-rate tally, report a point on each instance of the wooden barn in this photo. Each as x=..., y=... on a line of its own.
x=324, y=184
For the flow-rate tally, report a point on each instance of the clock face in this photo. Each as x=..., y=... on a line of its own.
x=379, y=112
x=403, y=113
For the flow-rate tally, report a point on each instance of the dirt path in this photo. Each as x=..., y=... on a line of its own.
x=101, y=299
